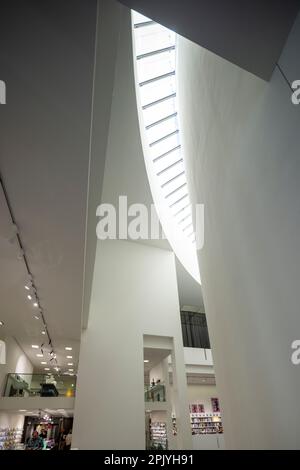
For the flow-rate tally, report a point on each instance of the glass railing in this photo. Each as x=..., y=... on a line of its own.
x=40, y=385
x=155, y=392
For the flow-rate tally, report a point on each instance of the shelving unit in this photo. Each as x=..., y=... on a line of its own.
x=10, y=438
x=203, y=423
x=206, y=423
x=159, y=435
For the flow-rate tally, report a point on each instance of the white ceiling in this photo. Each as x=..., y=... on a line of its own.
x=47, y=64
x=44, y=161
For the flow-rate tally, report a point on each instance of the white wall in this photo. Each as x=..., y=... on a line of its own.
x=241, y=138
x=11, y=420
x=200, y=394
x=16, y=362
x=134, y=293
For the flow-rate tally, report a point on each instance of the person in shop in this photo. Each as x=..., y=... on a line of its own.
x=68, y=440
x=35, y=442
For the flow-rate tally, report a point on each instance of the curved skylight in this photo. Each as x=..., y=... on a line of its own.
x=154, y=48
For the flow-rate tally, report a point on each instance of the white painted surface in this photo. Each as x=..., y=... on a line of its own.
x=208, y=442
x=35, y=403
x=242, y=139
x=16, y=362
x=11, y=420
x=134, y=293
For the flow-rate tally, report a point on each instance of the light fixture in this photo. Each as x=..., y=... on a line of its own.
x=46, y=368
x=71, y=370
x=35, y=304
x=56, y=368
x=1, y=323
x=69, y=357
x=70, y=364
x=43, y=332
x=146, y=360
x=29, y=297
x=39, y=355
x=34, y=346
x=36, y=317
x=44, y=363
x=27, y=288
x=22, y=411
x=68, y=348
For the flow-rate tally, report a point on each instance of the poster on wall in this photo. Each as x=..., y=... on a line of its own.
x=197, y=408
x=215, y=405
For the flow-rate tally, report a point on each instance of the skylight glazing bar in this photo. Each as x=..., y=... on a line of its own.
x=170, y=116
x=182, y=209
x=155, y=79
x=166, y=153
x=172, y=179
x=143, y=24
x=163, y=138
x=179, y=200
x=175, y=190
x=153, y=103
x=168, y=167
x=157, y=51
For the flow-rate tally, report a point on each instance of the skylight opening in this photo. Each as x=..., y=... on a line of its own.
x=154, y=49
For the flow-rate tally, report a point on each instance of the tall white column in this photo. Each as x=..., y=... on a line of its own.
x=134, y=293
x=241, y=139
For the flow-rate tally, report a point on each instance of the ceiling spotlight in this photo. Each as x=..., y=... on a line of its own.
x=68, y=348
x=36, y=317
x=43, y=332
x=35, y=304
x=34, y=346
x=71, y=370
x=27, y=287
x=56, y=368
x=146, y=360
x=44, y=363
x=1, y=323
x=22, y=411
x=29, y=297
x=70, y=364
x=69, y=357
x=46, y=368
x=39, y=355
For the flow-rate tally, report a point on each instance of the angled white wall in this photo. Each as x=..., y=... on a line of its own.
x=134, y=294
x=242, y=139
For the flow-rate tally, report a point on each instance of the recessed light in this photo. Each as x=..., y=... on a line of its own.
x=43, y=362
x=35, y=304
x=39, y=355
x=1, y=323
x=43, y=332
x=46, y=368
x=69, y=357
x=146, y=360
x=29, y=297
x=71, y=370
x=34, y=346
x=36, y=317
x=22, y=411
x=70, y=364
x=27, y=288
x=68, y=348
